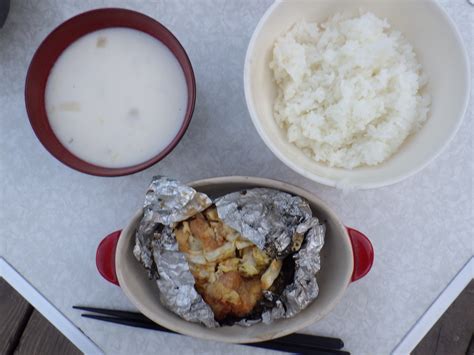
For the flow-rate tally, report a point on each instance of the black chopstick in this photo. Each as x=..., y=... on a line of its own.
x=309, y=340
x=112, y=312
x=298, y=339
x=296, y=349
x=132, y=323
x=290, y=348
x=293, y=343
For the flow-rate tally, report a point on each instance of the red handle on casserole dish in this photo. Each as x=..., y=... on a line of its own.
x=361, y=247
x=105, y=257
x=363, y=254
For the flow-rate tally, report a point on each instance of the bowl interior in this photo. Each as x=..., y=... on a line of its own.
x=333, y=278
x=444, y=60
x=52, y=47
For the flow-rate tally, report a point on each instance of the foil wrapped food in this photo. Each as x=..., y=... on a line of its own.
x=278, y=223
x=166, y=201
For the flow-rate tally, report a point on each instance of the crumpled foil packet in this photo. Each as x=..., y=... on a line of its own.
x=166, y=201
x=277, y=222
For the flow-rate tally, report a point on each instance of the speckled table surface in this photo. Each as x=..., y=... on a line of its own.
x=52, y=218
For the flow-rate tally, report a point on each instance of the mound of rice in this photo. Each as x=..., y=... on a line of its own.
x=349, y=90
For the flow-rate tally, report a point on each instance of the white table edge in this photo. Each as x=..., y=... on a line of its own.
x=42, y=305
x=436, y=309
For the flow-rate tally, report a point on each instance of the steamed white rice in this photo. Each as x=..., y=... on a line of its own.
x=349, y=89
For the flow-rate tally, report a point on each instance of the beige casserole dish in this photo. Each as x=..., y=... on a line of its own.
x=346, y=256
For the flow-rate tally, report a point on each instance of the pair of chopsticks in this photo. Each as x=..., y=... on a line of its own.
x=293, y=343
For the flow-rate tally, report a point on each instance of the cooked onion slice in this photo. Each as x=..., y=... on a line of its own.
x=196, y=257
x=223, y=252
x=241, y=243
x=270, y=275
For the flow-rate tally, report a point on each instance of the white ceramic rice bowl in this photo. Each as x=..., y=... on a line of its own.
x=439, y=49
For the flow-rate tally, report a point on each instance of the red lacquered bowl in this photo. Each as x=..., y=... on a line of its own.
x=52, y=47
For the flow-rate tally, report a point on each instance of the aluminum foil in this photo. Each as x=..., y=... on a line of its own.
x=298, y=295
x=273, y=220
x=167, y=201
x=277, y=222
x=176, y=283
